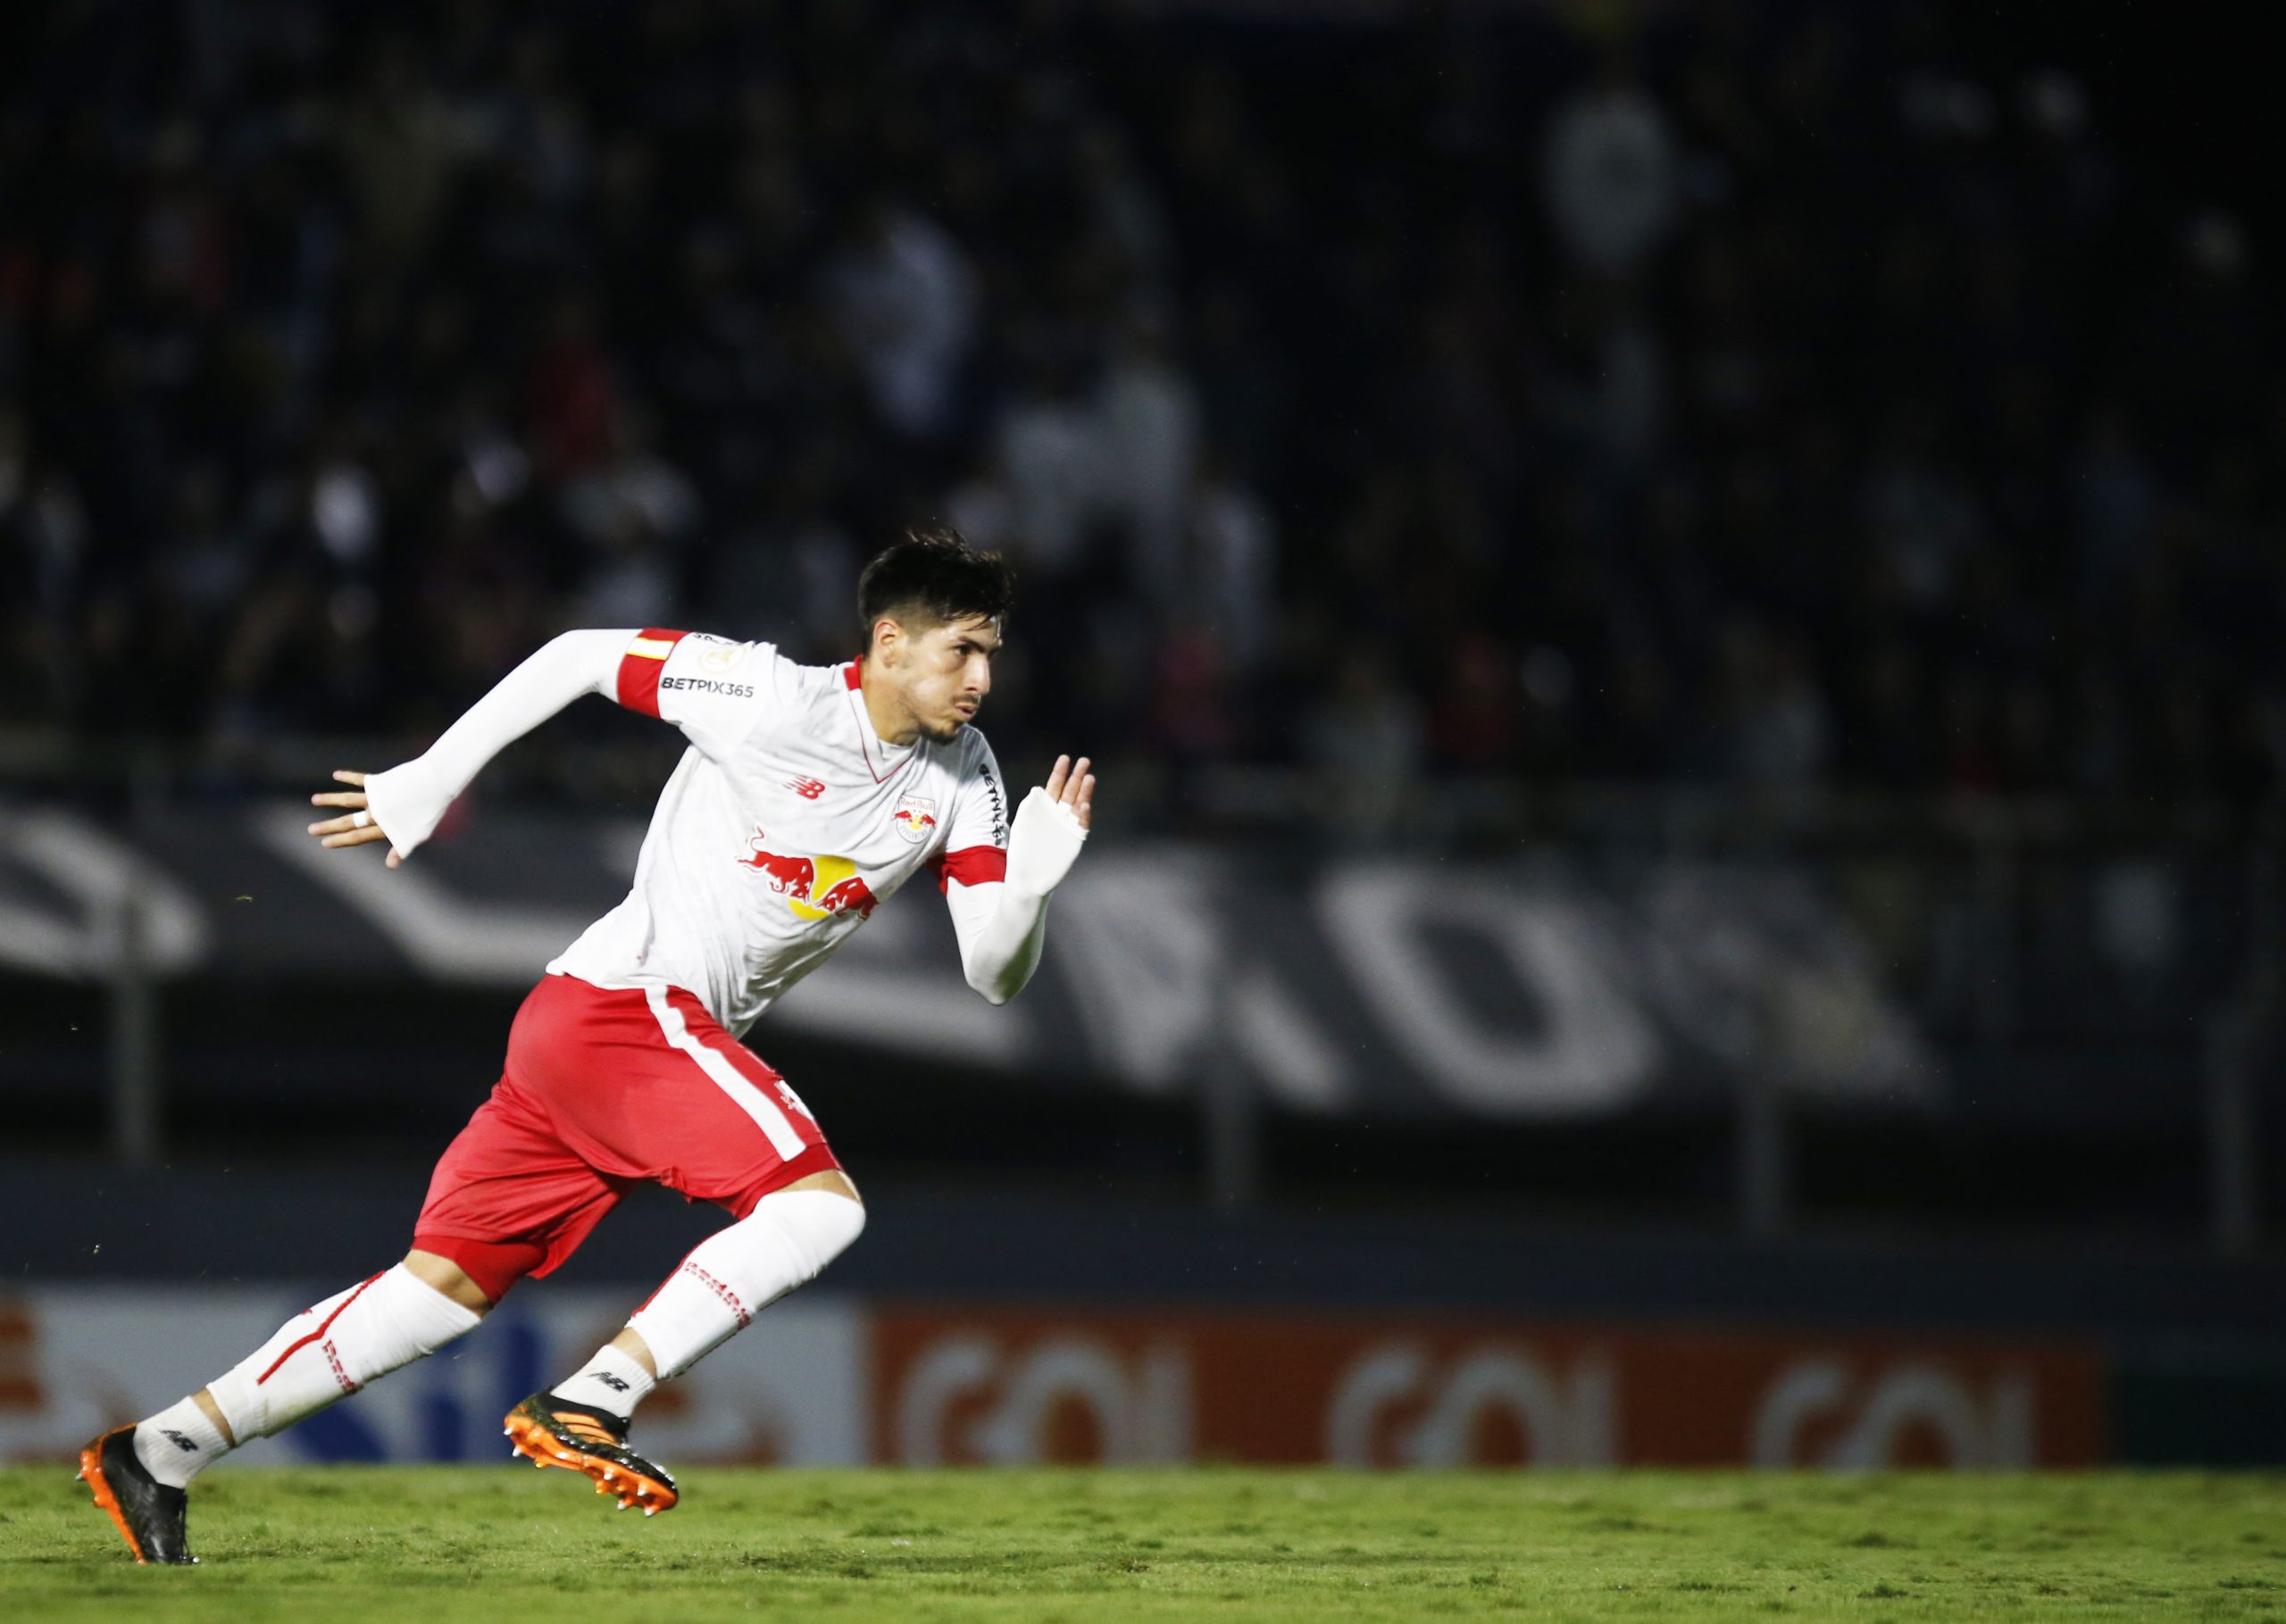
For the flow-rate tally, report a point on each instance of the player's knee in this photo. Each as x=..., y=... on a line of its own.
x=832, y=1180
x=820, y=1223
x=838, y=1231
x=444, y=1276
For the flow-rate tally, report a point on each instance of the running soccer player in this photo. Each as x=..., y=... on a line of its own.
x=808, y=795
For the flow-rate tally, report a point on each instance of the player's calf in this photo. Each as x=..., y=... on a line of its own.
x=728, y=1278
x=784, y=1243
x=329, y=1352
x=323, y=1353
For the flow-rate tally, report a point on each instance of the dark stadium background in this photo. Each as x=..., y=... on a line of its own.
x=1874, y=503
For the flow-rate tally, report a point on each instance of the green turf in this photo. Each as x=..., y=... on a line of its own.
x=442, y=1543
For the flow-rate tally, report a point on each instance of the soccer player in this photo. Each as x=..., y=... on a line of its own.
x=808, y=795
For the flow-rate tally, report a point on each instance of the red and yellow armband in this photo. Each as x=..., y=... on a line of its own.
x=640, y=666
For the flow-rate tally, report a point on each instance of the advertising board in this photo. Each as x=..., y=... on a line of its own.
x=828, y=1380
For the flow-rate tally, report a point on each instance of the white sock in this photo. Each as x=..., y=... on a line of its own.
x=328, y=1351
x=179, y=1443
x=735, y=1273
x=614, y=1381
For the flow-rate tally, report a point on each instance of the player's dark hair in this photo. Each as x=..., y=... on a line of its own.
x=933, y=577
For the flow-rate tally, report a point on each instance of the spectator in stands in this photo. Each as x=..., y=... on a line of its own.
x=342, y=338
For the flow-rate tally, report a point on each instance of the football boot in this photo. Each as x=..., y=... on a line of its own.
x=148, y=1515
x=550, y=1431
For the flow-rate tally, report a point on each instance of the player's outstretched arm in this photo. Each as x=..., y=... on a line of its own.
x=404, y=805
x=1002, y=925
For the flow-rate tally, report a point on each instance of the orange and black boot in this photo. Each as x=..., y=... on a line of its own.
x=148, y=1515
x=550, y=1431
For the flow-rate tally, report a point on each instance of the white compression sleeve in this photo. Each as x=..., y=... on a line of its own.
x=409, y=801
x=1002, y=927
x=735, y=1273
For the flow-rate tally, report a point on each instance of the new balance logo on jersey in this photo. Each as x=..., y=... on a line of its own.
x=809, y=789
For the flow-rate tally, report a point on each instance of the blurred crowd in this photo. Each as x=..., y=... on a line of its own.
x=1751, y=394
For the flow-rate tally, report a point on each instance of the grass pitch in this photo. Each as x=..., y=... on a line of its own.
x=496, y=1543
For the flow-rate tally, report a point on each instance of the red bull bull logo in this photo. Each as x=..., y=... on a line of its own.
x=814, y=888
x=845, y=895
x=916, y=817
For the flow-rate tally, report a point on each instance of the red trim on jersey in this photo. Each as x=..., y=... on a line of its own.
x=638, y=674
x=972, y=865
x=314, y=1335
x=850, y=676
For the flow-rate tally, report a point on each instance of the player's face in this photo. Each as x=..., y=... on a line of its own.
x=946, y=672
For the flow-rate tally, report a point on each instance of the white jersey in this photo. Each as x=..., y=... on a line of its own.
x=786, y=823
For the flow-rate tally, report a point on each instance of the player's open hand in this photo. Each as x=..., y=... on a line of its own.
x=1073, y=786
x=356, y=826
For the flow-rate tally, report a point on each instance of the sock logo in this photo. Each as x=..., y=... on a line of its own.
x=615, y=1383
x=181, y=1441
x=339, y=1375
x=730, y=1298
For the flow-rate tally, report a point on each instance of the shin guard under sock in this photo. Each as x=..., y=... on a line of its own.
x=735, y=1273
x=328, y=1351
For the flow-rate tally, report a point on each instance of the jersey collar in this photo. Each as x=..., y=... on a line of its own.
x=882, y=759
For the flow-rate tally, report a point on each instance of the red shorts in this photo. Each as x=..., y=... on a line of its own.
x=603, y=1091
